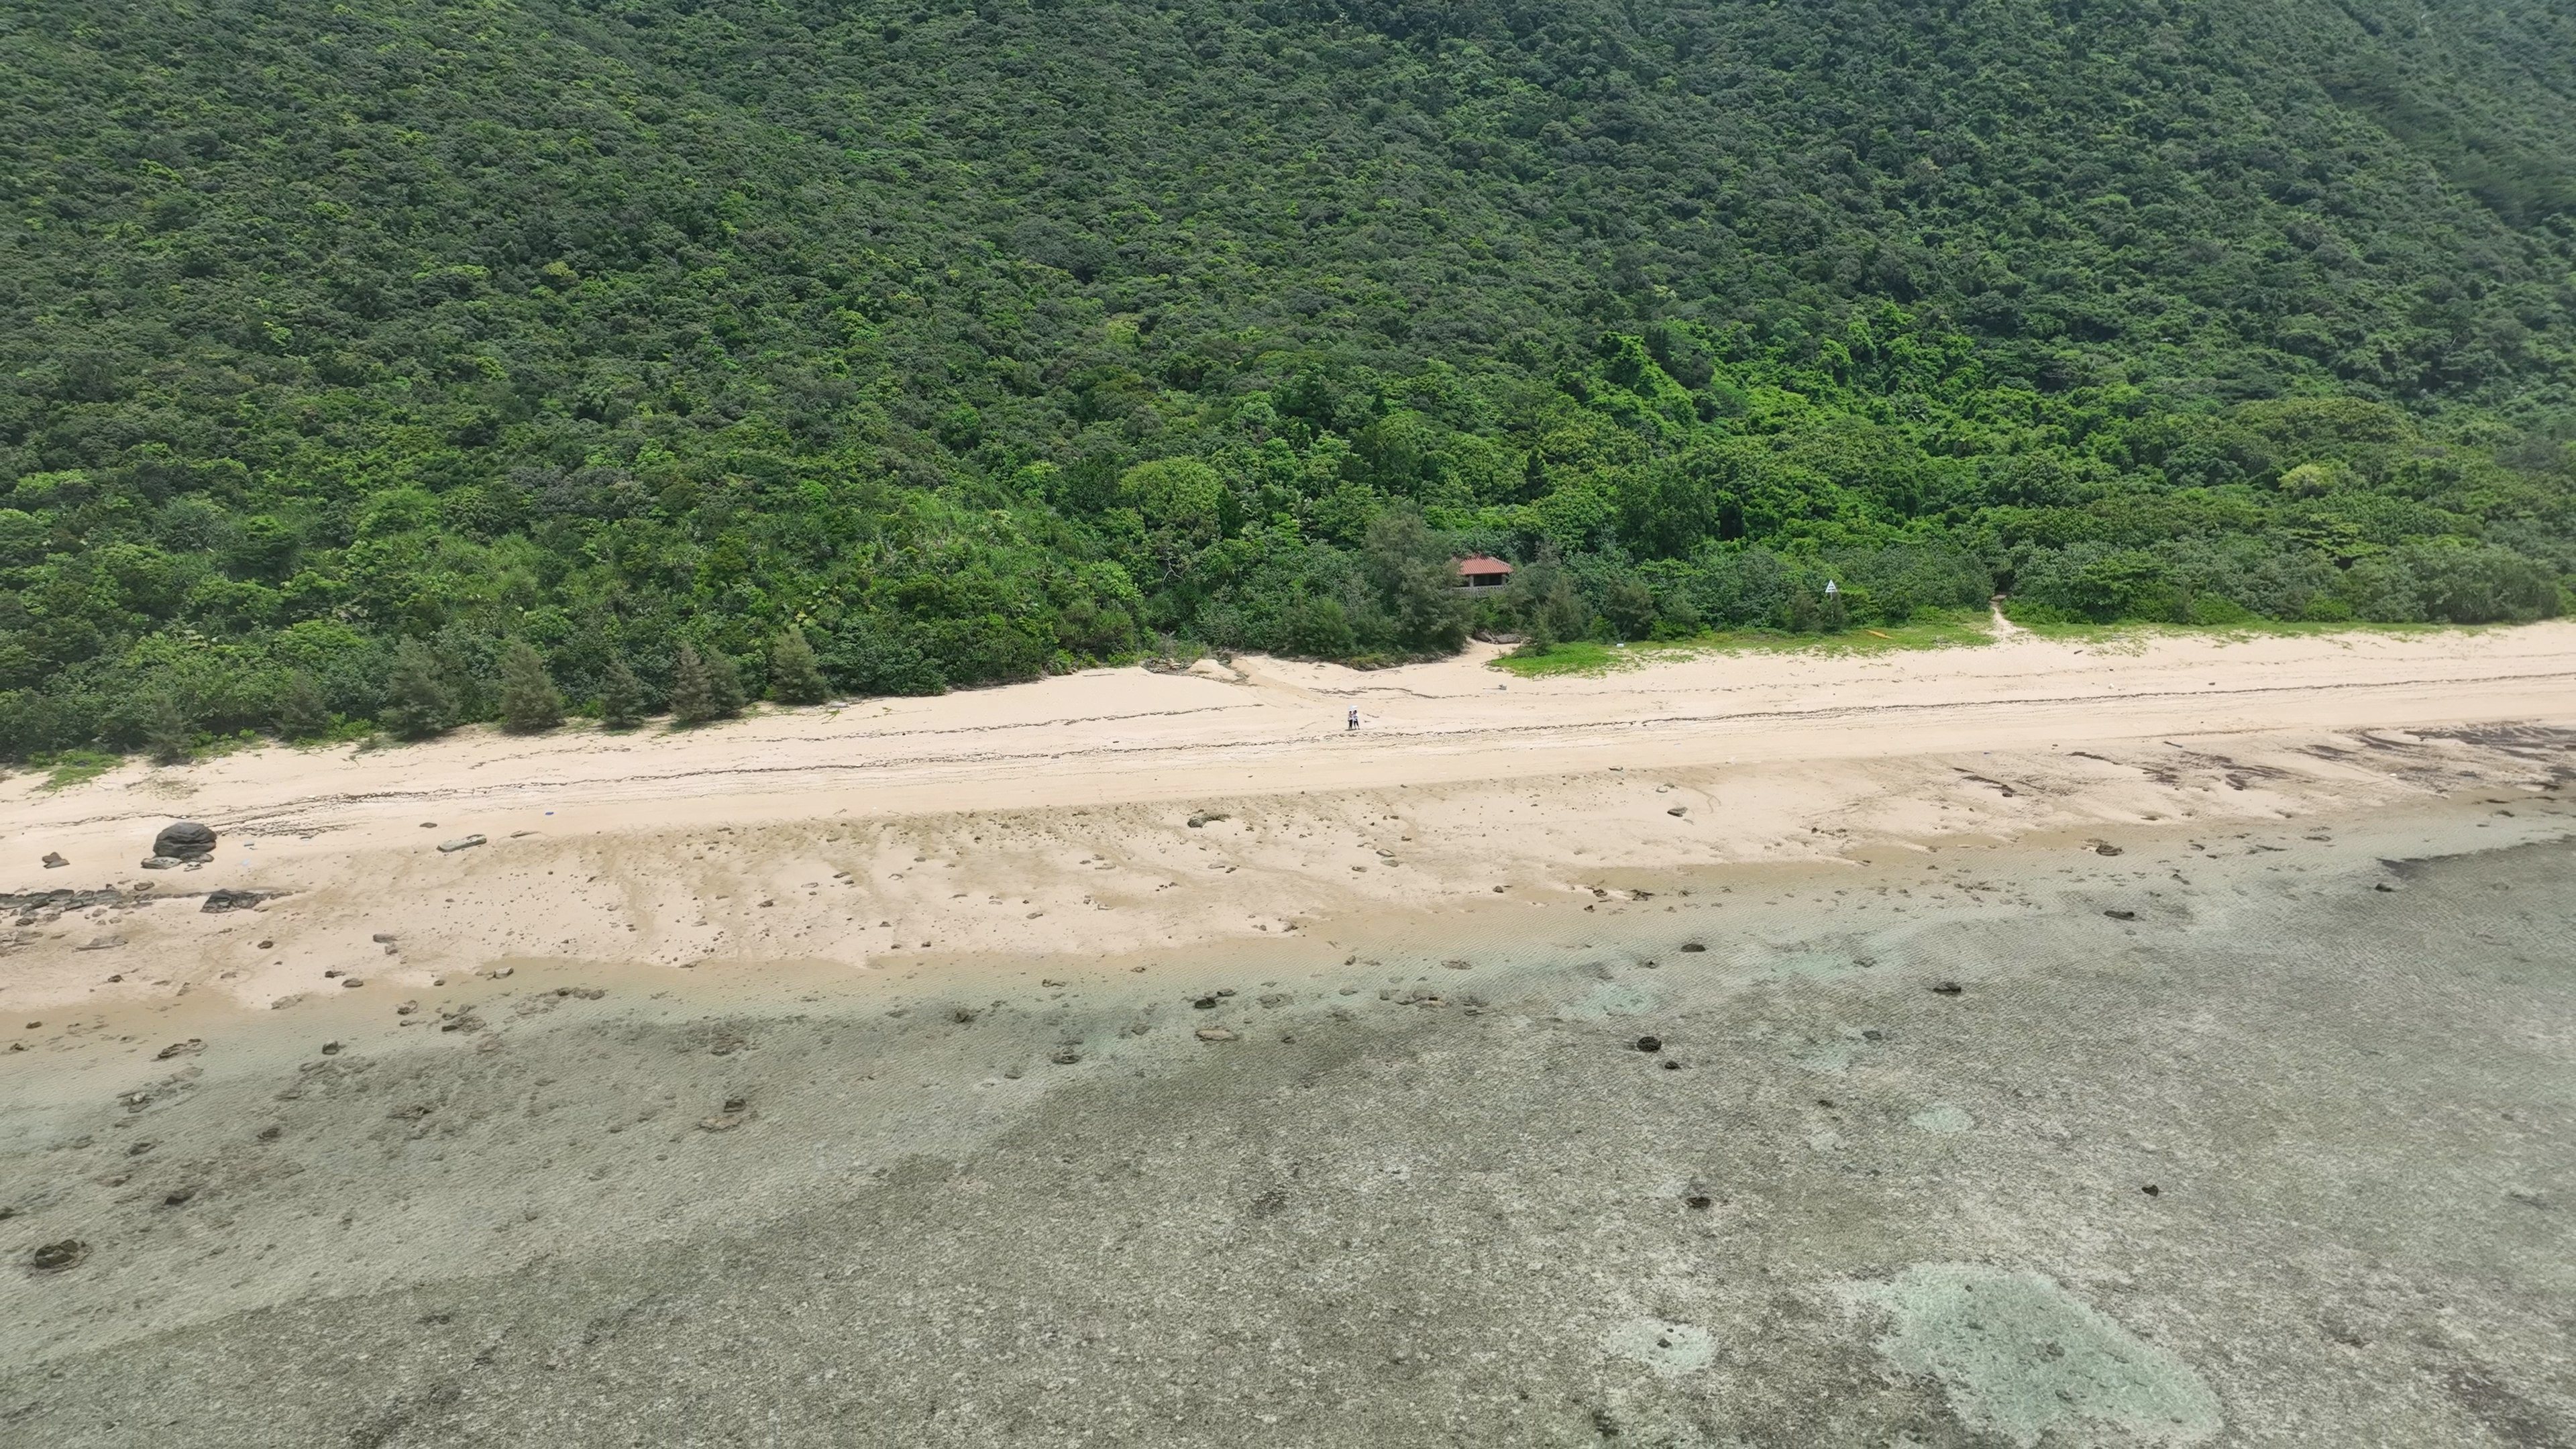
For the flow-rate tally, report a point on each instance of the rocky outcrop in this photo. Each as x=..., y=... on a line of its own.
x=184, y=840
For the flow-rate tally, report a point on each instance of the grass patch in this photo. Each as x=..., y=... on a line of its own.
x=74, y=767
x=2132, y=637
x=1581, y=657
x=1961, y=631
x=1585, y=657
x=341, y=732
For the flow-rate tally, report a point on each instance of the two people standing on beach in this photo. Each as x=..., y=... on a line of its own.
x=1355, y=718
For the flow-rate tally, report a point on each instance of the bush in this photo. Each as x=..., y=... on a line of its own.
x=724, y=681
x=2450, y=584
x=164, y=727
x=302, y=713
x=1542, y=598
x=693, y=688
x=417, y=704
x=1413, y=582
x=2480, y=585
x=621, y=696
x=529, y=700
x=794, y=675
x=874, y=654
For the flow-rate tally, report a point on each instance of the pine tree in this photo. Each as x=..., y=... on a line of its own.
x=303, y=713
x=794, y=678
x=621, y=697
x=693, y=691
x=529, y=700
x=417, y=705
x=725, y=679
x=165, y=728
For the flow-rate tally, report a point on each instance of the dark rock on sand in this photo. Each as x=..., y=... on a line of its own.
x=219, y=901
x=184, y=840
x=55, y=1257
x=2121, y=915
x=1650, y=1043
x=54, y=860
x=1946, y=988
x=1693, y=946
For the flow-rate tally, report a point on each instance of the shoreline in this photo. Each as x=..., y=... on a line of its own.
x=1128, y=811
x=1122, y=1046
x=622, y=1129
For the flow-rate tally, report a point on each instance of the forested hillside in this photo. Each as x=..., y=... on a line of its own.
x=350, y=351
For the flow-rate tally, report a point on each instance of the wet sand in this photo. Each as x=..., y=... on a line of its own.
x=1254, y=1147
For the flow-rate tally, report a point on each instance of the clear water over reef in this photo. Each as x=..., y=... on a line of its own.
x=2234, y=1139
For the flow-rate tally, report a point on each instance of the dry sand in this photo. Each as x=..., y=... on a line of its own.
x=846, y=1076
x=1052, y=816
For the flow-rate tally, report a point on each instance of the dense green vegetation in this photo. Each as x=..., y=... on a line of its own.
x=356, y=358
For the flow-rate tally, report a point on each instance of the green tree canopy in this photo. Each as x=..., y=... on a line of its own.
x=344, y=343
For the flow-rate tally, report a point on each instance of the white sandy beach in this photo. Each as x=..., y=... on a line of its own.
x=1052, y=817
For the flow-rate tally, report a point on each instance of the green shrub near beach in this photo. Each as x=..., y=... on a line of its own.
x=350, y=354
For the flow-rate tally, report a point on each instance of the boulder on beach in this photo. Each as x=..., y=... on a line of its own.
x=184, y=840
